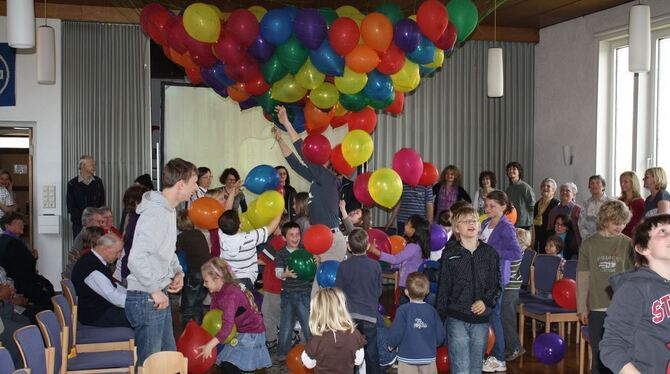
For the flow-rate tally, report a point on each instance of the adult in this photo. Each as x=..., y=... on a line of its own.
x=83, y=191
x=448, y=190
x=588, y=217
x=146, y=181
x=286, y=190
x=630, y=195
x=487, y=183
x=90, y=217
x=541, y=211
x=131, y=199
x=21, y=263
x=6, y=194
x=10, y=320
x=229, y=178
x=563, y=228
x=204, y=183
x=567, y=206
x=658, y=201
x=108, y=221
x=6, y=181
x=520, y=194
x=101, y=300
x=414, y=200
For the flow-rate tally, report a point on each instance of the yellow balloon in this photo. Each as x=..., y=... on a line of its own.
x=438, y=60
x=408, y=78
x=351, y=82
x=358, y=18
x=385, y=187
x=387, y=321
x=258, y=11
x=325, y=96
x=309, y=76
x=245, y=223
x=212, y=321
x=348, y=11
x=483, y=217
x=288, y=90
x=412, y=17
x=255, y=217
x=202, y=22
x=270, y=204
x=218, y=11
x=357, y=147
x=340, y=110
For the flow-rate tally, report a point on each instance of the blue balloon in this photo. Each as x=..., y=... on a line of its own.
x=248, y=103
x=297, y=113
x=261, y=49
x=222, y=92
x=218, y=71
x=549, y=348
x=424, y=53
x=423, y=70
x=292, y=11
x=406, y=35
x=379, y=86
x=327, y=273
x=210, y=79
x=310, y=27
x=326, y=60
x=276, y=26
x=262, y=178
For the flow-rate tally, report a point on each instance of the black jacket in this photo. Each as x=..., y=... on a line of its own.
x=462, y=195
x=81, y=196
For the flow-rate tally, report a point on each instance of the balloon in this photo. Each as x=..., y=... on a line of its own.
x=463, y=14
x=438, y=237
x=406, y=35
x=244, y=71
x=385, y=187
x=379, y=86
x=408, y=78
x=355, y=102
x=327, y=273
x=288, y=90
x=228, y=50
x=396, y=106
x=193, y=75
x=357, y=147
x=424, y=53
x=325, y=96
x=329, y=15
x=549, y=348
x=161, y=17
x=382, y=104
x=564, y=293
x=339, y=163
x=377, y=31
x=338, y=121
x=365, y=120
x=398, y=243
x=316, y=149
x=255, y=217
x=351, y=82
x=391, y=61
x=380, y=309
x=347, y=11
x=270, y=204
x=429, y=174
x=273, y=70
x=310, y=27
x=448, y=38
x=295, y=115
x=292, y=11
x=218, y=70
x=294, y=362
x=262, y=178
x=238, y=93
x=268, y=103
x=243, y=26
x=302, y=262
x=362, y=59
x=491, y=341
x=511, y=216
x=211, y=80
x=344, y=35
x=276, y=26
x=387, y=319
x=408, y=164
x=261, y=49
x=392, y=11
x=202, y=23
x=292, y=54
x=189, y=344
x=309, y=76
x=175, y=34
x=432, y=18
x=327, y=60
x=245, y=223
x=438, y=59
x=316, y=117
x=258, y=11
x=212, y=323
x=442, y=359
x=205, y=212
x=257, y=85
x=201, y=53
x=379, y=239
x=361, y=189
x=317, y=239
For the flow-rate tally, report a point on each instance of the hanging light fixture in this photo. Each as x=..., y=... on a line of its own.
x=639, y=39
x=20, y=23
x=46, y=52
x=495, y=82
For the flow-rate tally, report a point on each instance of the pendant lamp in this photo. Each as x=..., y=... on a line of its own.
x=495, y=82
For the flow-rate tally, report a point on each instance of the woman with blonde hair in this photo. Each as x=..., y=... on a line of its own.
x=630, y=195
x=658, y=201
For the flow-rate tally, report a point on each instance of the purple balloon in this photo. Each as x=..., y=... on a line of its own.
x=222, y=92
x=406, y=35
x=310, y=27
x=549, y=348
x=438, y=237
x=261, y=49
x=258, y=299
x=248, y=103
x=381, y=310
x=210, y=79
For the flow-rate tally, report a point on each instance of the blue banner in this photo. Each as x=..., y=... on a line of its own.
x=7, y=75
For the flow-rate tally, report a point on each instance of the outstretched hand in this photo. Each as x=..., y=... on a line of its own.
x=282, y=115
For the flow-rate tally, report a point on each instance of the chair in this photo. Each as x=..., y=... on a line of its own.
x=21, y=371
x=525, y=270
x=6, y=362
x=35, y=356
x=165, y=362
x=584, y=345
x=570, y=269
x=89, y=362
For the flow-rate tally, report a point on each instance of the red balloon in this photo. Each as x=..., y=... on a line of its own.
x=147, y=12
x=429, y=174
x=344, y=35
x=392, y=60
x=362, y=59
x=432, y=18
x=448, y=38
x=365, y=120
x=339, y=163
x=175, y=34
x=200, y=52
x=564, y=293
x=228, y=50
x=317, y=239
x=361, y=189
x=294, y=362
x=314, y=128
x=316, y=149
x=205, y=213
x=243, y=71
x=256, y=85
x=397, y=105
x=379, y=239
x=193, y=74
x=491, y=342
x=189, y=343
x=339, y=121
x=409, y=165
x=153, y=20
x=442, y=360
x=243, y=26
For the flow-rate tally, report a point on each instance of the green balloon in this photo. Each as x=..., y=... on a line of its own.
x=273, y=70
x=292, y=54
x=355, y=102
x=267, y=102
x=302, y=264
x=464, y=15
x=392, y=11
x=382, y=104
x=329, y=14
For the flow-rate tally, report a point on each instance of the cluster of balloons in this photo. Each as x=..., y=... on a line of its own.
x=264, y=181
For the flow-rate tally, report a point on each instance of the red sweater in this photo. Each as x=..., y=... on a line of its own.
x=271, y=283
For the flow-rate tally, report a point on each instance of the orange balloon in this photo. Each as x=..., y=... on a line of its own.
x=377, y=31
x=238, y=93
x=294, y=363
x=317, y=117
x=398, y=243
x=491, y=342
x=205, y=213
x=362, y=59
x=511, y=216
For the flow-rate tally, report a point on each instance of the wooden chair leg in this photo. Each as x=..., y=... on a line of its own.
x=534, y=326
x=522, y=321
x=581, y=355
x=547, y=324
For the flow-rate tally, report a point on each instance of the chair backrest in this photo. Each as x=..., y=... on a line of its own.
x=69, y=291
x=64, y=315
x=526, y=263
x=30, y=343
x=6, y=362
x=21, y=371
x=165, y=362
x=570, y=269
x=53, y=336
x=546, y=271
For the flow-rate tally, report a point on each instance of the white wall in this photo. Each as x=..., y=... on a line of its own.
x=566, y=71
x=39, y=106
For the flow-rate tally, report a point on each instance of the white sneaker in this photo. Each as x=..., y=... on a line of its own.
x=492, y=365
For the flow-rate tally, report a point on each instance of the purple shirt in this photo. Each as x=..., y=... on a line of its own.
x=409, y=260
x=229, y=300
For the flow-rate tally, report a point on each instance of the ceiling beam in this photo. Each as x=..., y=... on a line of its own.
x=509, y=34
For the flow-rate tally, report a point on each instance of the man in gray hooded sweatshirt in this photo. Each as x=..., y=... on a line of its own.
x=154, y=267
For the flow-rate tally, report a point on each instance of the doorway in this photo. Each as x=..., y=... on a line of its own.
x=16, y=165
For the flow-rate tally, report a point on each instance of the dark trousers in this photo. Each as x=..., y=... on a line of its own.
x=111, y=317
x=596, y=331
x=369, y=330
x=192, y=296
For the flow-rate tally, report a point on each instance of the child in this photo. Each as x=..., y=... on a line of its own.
x=417, y=330
x=465, y=299
x=336, y=346
x=523, y=238
x=301, y=208
x=193, y=242
x=602, y=255
x=554, y=246
x=360, y=278
x=295, y=293
x=637, y=325
x=415, y=252
x=239, y=310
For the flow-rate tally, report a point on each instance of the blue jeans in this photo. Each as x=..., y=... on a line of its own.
x=498, y=350
x=294, y=306
x=192, y=296
x=153, y=327
x=467, y=342
x=369, y=330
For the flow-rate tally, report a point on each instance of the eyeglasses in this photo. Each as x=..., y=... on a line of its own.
x=469, y=222
x=559, y=224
